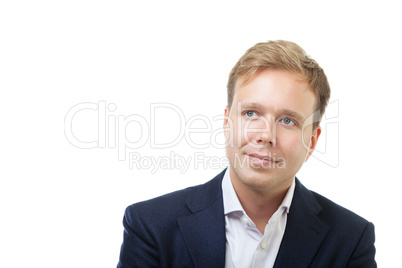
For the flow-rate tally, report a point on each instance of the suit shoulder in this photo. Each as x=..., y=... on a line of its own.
x=178, y=203
x=334, y=214
x=165, y=203
x=350, y=237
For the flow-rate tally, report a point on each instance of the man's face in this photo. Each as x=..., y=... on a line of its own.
x=267, y=130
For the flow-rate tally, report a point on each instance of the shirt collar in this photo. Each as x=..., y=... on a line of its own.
x=231, y=202
x=287, y=200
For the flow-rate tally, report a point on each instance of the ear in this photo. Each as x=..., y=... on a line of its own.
x=313, y=142
x=226, y=123
x=226, y=117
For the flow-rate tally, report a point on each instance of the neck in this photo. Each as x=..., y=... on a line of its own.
x=259, y=205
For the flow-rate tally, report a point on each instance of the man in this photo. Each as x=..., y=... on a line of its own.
x=256, y=213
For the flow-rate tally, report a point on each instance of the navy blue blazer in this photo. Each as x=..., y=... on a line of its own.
x=187, y=229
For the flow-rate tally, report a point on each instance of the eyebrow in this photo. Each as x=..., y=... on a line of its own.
x=284, y=111
x=251, y=105
x=293, y=114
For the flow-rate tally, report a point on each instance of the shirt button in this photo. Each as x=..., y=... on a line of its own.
x=263, y=244
x=245, y=221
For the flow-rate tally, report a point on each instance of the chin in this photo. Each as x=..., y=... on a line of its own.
x=258, y=177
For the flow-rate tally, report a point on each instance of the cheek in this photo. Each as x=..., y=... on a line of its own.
x=308, y=134
x=249, y=131
x=291, y=144
x=238, y=133
x=234, y=134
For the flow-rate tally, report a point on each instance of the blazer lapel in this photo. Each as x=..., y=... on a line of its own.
x=204, y=230
x=304, y=231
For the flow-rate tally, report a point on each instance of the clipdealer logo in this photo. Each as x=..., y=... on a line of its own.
x=113, y=132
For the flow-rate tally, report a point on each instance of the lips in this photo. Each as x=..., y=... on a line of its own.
x=261, y=161
x=261, y=157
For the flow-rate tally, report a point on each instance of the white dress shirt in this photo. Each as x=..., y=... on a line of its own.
x=245, y=245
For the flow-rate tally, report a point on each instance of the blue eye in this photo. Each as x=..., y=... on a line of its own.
x=287, y=121
x=249, y=113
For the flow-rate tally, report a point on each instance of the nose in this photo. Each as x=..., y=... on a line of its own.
x=267, y=134
x=267, y=138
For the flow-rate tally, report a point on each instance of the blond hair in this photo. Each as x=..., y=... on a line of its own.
x=284, y=55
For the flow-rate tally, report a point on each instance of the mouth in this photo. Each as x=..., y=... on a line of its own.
x=257, y=160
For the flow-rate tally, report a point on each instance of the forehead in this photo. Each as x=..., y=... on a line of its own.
x=276, y=89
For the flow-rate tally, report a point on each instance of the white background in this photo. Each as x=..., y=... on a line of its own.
x=62, y=206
